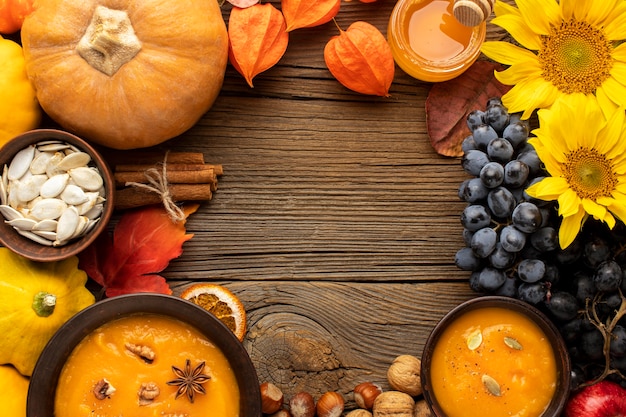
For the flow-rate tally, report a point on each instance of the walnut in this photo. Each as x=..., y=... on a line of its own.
x=148, y=391
x=404, y=375
x=144, y=352
x=393, y=404
x=359, y=412
x=422, y=409
x=103, y=389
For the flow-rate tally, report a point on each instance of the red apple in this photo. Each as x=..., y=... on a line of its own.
x=604, y=399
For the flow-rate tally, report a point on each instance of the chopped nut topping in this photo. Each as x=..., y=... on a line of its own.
x=144, y=352
x=148, y=391
x=103, y=389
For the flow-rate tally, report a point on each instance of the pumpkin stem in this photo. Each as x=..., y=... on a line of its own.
x=109, y=41
x=44, y=303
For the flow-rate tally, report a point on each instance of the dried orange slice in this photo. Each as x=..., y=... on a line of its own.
x=220, y=302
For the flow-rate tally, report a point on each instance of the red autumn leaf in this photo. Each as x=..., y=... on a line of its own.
x=243, y=3
x=449, y=102
x=257, y=39
x=143, y=243
x=360, y=59
x=308, y=13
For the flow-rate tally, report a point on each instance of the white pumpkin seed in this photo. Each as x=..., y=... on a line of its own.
x=90, y=225
x=74, y=160
x=52, y=168
x=53, y=146
x=46, y=225
x=474, y=339
x=29, y=189
x=13, y=199
x=34, y=237
x=492, y=385
x=40, y=163
x=10, y=213
x=4, y=185
x=95, y=212
x=512, y=343
x=74, y=195
x=67, y=224
x=48, y=208
x=87, y=177
x=52, y=236
x=54, y=186
x=81, y=227
x=22, y=223
x=48, y=142
x=21, y=163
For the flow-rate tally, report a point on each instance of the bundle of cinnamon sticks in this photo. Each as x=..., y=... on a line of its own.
x=187, y=178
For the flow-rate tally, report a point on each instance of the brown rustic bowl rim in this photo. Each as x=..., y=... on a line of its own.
x=33, y=250
x=559, y=347
x=42, y=388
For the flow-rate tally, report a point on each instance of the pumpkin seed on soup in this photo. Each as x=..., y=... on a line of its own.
x=474, y=339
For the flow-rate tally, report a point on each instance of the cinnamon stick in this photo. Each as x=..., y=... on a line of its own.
x=132, y=197
x=218, y=169
x=206, y=176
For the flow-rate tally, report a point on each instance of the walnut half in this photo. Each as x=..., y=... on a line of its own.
x=103, y=389
x=144, y=352
x=148, y=391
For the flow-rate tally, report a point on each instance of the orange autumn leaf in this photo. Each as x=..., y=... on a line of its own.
x=257, y=39
x=360, y=59
x=143, y=243
x=308, y=13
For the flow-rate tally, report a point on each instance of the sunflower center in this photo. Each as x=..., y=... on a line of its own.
x=589, y=173
x=576, y=57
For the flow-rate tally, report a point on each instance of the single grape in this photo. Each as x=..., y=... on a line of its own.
x=531, y=270
x=500, y=150
x=495, y=100
x=515, y=173
x=592, y=344
x=473, y=282
x=466, y=260
x=516, y=133
x=618, y=341
x=475, y=217
x=474, y=119
x=500, y=258
x=571, y=330
x=492, y=174
x=473, y=190
x=532, y=293
x=501, y=202
x=583, y=287
x=490, y=279
x=469, y=144
x=467, y=236
x=526, y=217
x=484, y=134
x=473, y=161
x=531, y=159
x=508, y=289
x=562, y=305
x=553, y=274
x=570, y=254
x=497, y=116
x=512, y=239
x=484, y=242
x=608, y=276
x=596, y=251
x=545, y=239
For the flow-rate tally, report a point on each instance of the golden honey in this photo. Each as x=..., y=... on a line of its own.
x=429, y=43
x=493, y=362
x=104, y=354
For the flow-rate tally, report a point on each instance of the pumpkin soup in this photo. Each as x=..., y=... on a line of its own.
x=146, y=365
x=493, y=362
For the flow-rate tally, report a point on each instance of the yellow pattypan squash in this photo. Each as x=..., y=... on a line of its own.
x=19, y=108
x=13, y=392
x=36, y=298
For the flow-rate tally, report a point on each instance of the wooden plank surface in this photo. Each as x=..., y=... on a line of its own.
x=335, y=221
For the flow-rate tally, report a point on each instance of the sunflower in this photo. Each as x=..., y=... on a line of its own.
x=585, y=156
x=567, y=47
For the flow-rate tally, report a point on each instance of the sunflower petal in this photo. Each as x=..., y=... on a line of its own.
x=615, y=26
x=569, y=203
x=507, y=53
x=599, y=11
x=517, y=27
x=570, y=226
x=540, y=15
x=593, y=208
x=618, y=208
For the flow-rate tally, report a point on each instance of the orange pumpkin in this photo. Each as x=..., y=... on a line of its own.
x=126, y=74
x=12, y=14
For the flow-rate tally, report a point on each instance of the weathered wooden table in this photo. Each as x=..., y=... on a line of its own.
x=335, y=222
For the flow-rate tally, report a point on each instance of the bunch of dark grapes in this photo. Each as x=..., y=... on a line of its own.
x=512, y=246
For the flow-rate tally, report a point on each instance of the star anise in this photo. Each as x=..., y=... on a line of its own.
x=189, y=381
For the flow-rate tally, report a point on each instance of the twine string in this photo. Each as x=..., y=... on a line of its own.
x=158, y=185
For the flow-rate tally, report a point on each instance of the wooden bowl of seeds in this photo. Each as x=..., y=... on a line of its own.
x=495, y=356
x=56, y=194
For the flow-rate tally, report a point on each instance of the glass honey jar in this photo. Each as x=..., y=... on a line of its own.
x=429, y=43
